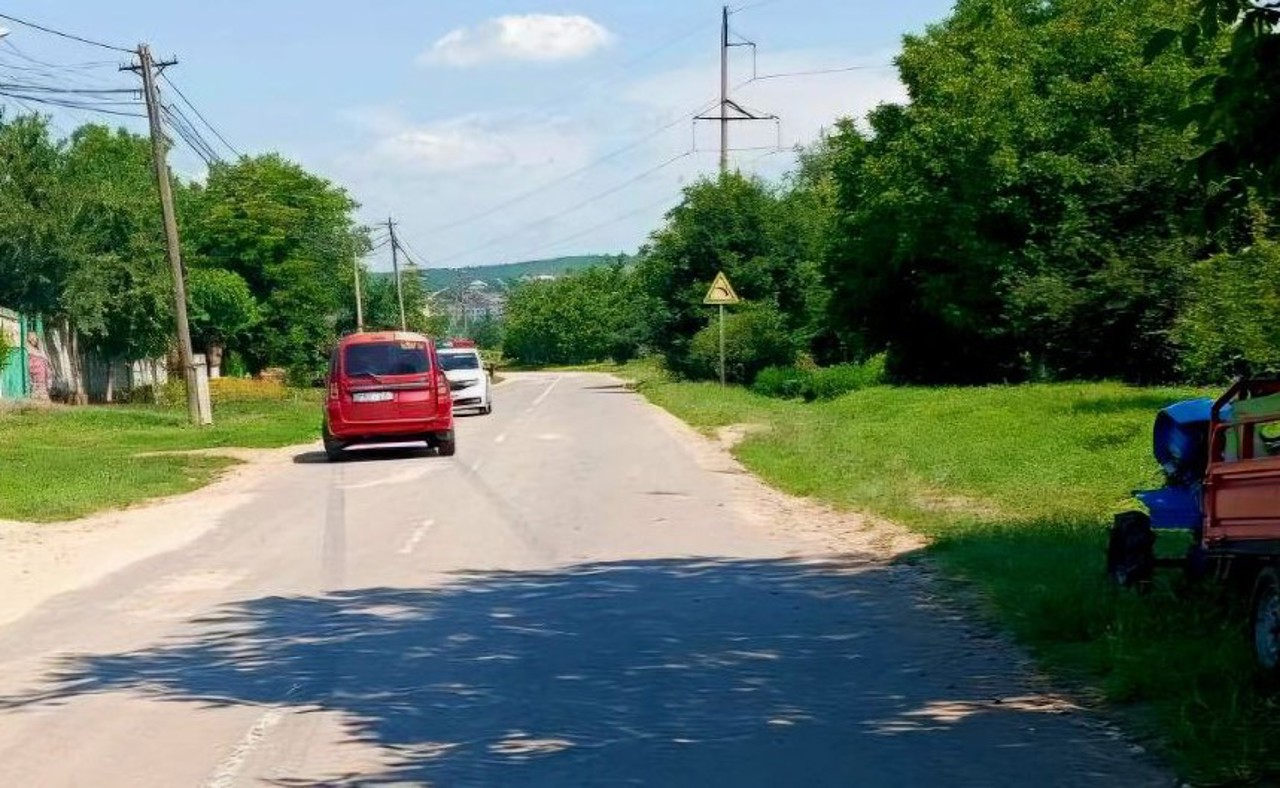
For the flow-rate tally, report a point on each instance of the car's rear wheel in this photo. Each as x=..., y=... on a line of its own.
x=447, y=448
x=334, y=449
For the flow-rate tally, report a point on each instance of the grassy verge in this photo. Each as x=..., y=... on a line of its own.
x=69, y=462
x=1015, y=487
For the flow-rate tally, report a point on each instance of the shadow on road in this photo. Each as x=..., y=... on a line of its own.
x=371, y=454
x=667, y=673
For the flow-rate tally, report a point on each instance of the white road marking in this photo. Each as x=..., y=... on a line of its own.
x=501, y=438
x=416, y=537
x=476, y=466
x=543, y=396
x=229, y=769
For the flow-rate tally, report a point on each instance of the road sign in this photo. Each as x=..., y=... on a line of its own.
x=721, y=292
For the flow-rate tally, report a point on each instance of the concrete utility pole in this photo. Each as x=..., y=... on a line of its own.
x=724, y=91
x=198, y=408
x=395, y=265
x=730, y=110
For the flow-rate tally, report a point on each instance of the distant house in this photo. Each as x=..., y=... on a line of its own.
x=476, y=302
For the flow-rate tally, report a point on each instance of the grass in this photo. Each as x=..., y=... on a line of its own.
x=1015, y=487
x=63, y=463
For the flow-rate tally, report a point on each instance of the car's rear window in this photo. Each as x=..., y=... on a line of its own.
x=452, y=361
x=387, y=358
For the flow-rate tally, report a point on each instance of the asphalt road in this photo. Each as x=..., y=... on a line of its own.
x=575, y=599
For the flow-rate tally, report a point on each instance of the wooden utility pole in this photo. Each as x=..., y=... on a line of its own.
x=159, y=154
x=395, y=265
x=359, y=298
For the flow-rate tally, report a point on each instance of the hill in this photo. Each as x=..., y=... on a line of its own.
x=509, y=273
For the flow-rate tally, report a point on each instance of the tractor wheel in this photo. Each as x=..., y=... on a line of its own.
x=1266, y=620
x=1131, y=556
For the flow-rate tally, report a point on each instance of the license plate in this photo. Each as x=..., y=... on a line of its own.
x=372, y=396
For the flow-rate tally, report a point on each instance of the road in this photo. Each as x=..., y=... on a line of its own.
x=582, y=596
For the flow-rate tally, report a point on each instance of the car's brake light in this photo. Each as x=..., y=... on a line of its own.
x=443, y=397
x=333, y=390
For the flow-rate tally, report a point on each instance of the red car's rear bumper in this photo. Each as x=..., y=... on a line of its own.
x=389, y=430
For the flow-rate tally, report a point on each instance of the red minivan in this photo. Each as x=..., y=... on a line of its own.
x=387, y=388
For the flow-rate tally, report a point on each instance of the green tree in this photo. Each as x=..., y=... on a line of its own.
x=1021, y=215
x=291, y=236
x=222, y=309
x=119, y=291
x=34, y=260
x=594, y=315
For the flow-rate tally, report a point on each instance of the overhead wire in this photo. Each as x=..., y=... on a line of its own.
x=599, y=226
x=67, y=104
x=200, y=115
x=63, y=34
x=567, y=211
x=614, y=154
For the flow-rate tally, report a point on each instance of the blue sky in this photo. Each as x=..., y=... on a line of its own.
x=437, y=111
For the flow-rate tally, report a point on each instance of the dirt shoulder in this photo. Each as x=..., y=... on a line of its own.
x=40, y=561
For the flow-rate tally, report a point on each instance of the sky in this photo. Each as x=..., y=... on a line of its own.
x=491, y=130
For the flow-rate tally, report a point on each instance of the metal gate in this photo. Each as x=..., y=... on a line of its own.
x=15, y=382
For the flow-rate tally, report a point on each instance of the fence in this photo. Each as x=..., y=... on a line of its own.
x=99, y=380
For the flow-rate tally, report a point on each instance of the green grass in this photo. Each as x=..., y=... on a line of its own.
x=70, y=462
x=1015, y=487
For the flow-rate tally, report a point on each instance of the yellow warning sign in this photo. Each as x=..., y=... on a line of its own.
x=721, y=291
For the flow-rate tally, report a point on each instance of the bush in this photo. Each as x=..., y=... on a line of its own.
x=819, y=382
x=782, y=382
x=755, y=339
x=1231, y=323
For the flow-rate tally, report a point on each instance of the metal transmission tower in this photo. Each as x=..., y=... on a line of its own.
x=730, y=110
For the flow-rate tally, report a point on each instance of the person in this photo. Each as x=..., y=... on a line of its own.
x=39, y=367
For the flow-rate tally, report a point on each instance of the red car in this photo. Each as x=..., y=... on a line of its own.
x=387, y=388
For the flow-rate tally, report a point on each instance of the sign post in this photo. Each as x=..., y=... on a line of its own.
x=721, y=294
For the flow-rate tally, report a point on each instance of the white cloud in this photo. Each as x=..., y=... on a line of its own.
x=530, y=37
x=461, y=144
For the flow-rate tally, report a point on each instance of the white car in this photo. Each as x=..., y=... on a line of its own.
x=467, y=379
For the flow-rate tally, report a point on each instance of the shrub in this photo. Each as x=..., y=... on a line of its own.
x=1231, y=323
x=782, y=382
x=819, y=382
x=755, y=339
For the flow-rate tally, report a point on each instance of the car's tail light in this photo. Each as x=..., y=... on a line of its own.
x=333, y=390
x=443, y=397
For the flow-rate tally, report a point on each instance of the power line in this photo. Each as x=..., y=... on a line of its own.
x=200, y=115
x=587, y=231
x=61, y=34
x=76, y=105
x=519, y=198
x=817, y=72
x=572, y=209
x=30, y=88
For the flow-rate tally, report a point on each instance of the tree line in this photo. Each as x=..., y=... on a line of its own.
x=269, y=251
x=1074, y=189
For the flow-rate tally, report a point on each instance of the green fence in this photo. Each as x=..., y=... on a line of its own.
x=15, y=383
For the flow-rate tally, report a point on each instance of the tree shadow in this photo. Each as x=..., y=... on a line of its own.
x=1144, y=402
x=663, y=672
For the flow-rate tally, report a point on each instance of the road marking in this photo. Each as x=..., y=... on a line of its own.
x=501, y=438
x=416, y=537
x=229, y=769
x=475, y=466
x=543, y=396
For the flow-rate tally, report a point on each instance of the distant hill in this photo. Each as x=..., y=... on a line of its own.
x=508, y=274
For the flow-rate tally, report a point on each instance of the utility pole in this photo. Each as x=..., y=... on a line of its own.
x=730, y=110
x=724, y=91
x=359, y=298
x=395, y=265
x=198, y=409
